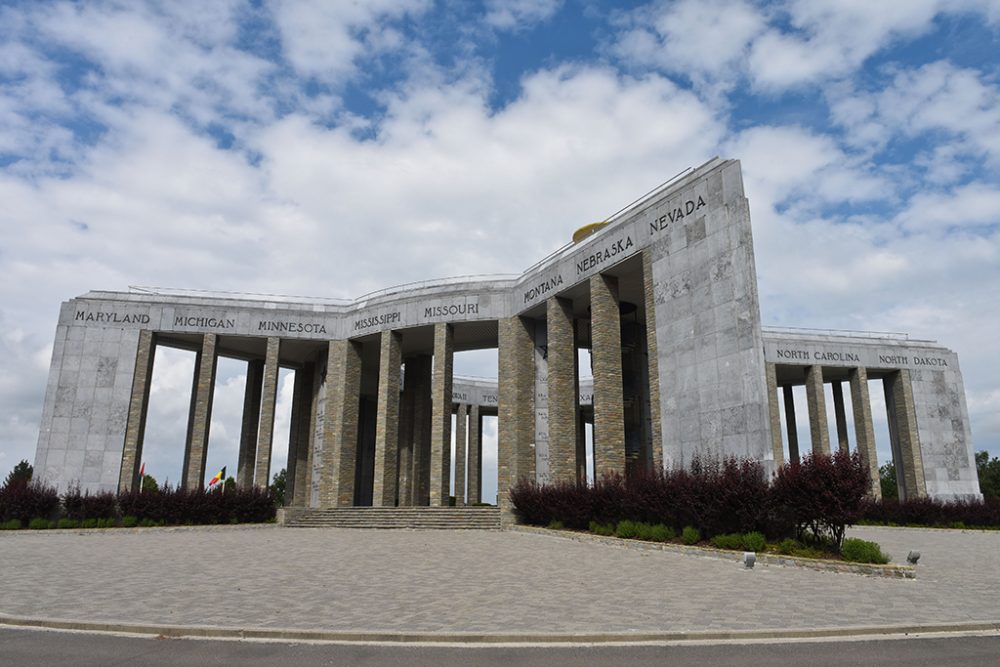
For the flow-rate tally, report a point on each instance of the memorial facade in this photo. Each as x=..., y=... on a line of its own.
x=664, y=296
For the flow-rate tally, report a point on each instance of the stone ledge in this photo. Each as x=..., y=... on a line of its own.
x=823, y=565
x=294, y=634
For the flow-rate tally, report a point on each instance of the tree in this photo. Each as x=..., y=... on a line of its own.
x=149, y=483
x=887, y=479
x=989, y=473
x=823, y=494
x=21, y=474
x=278, y=488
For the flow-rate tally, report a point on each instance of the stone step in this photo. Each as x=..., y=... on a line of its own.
x=451, y=518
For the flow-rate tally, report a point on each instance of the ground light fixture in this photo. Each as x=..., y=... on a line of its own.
x=749, y=558
x=913, y=557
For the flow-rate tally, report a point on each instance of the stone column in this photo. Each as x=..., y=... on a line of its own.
x=774, y=413
x=340, y=424
x=653, y=360
x=387, y=420
x=251, y=420
x=899, y=401
x=304, y=492
x=581, y=448
x=421, y=459
x=516, y=389
x=562, y=390
x=864, y=429
x=441, y=415
x=138, y=406
x=816, y=402
x=298, y=431
x=475, y=455
x=609, y=408
x=200, y=415
x=790, y=426
x=841, y=416
x=269, y=398
x=461, y=414
x=406, y=435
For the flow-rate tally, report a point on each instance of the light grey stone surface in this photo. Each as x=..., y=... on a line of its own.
x=343, y=579
x=938, y=394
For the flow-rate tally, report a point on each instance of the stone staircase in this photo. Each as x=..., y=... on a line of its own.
x=450, y=518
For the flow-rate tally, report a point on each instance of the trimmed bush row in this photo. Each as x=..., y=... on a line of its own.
x=934, y=513
x=39, y=506
x=812, y=501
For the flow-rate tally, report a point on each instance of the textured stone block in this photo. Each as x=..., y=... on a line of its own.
x=864, y=429
x=515, y=455
x=138, y=408
x=441, y=403
x=816, y=402
x=245, y=461
x=563, y=400
x=268, y=400
x=461, y=417
x=609, y=418
x=340, y=425
x=387, y=420
x=200, y=414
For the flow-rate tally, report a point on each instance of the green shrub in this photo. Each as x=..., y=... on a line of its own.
x=88, y=523
x=146, y=522
x=627, y=529
x=130, y=521
x=106, y=523
x=690, y=535
x=555, y=524
x=732, y=541
x=754, y=541
x=862, y=551
x=38, y=523
x=661, y=533
x=788, y=546
x=13, y=524
x=605, y=529
x=68, y=523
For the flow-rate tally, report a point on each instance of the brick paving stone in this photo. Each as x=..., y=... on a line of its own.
x=392, y=581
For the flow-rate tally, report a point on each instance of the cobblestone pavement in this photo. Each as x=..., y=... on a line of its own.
x=456, y=581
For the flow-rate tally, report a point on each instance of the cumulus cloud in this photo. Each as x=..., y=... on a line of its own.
x=706, y=41
x=323, y=40
x=515, y=14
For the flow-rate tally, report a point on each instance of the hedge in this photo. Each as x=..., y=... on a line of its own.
x=33, y=502
x=813, y=500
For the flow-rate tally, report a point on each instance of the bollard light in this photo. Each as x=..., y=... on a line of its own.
x=913, y=557
x=749, y=558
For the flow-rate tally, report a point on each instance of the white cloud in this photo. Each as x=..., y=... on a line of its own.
x=515, y=14
x=831, y=38
x=705, y=41
x=964, y=209
x=323, y=39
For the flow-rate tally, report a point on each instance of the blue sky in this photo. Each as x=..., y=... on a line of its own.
x=332, y=148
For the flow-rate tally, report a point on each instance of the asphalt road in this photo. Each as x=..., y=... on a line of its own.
x=28, y=648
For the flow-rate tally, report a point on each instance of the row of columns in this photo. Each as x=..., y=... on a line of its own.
x=413, y=411
x=566, y=443
x=257, y=432
x=901, y=418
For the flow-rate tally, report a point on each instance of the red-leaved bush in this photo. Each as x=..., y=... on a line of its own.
x=823, y=494
x=812, y=500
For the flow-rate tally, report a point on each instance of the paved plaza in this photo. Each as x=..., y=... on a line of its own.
x=406, y=581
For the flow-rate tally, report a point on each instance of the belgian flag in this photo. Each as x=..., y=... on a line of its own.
x=219, y=476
